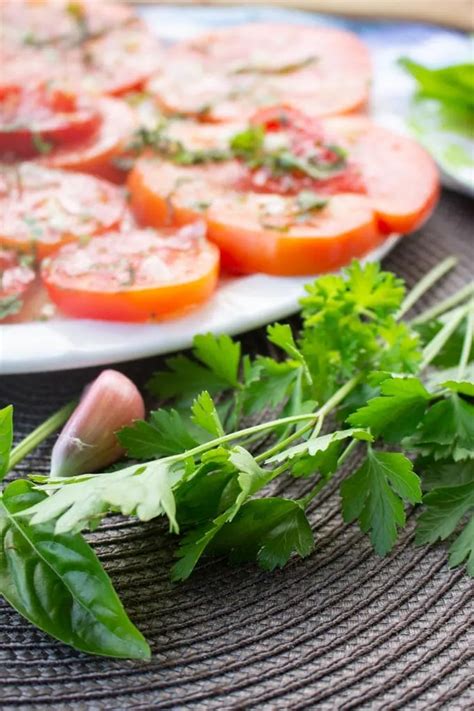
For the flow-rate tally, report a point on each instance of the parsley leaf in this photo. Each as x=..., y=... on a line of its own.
x=445, y=508
x=205, y=415
x=164, y=434
x=80, y=502
x=267, y=531
x=349, y=326
x=221, y=354
x=463, y=547
x=375, y=494
x=217, y=370
x=447, y=430
x=398, y=410
x=272, y=385
x=251, y=478
x=444, y=472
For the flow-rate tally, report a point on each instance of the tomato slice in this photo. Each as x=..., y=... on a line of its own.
x=140, y=276
x=42, y=209
x=78, y=45
x=44, y=25
x=400, y=177
x=283, y=224
x=132, y=48
x=16, y=280
x=33, y=121
x=228, y=73
x=99, y=155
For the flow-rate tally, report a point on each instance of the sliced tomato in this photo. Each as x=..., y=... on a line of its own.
x=141, y=276
x=59, y=23
x=34, y=121
x=228, y=73
x=16, y=280
x=400, y=177
x=43, y=209
x=255, y=232
x=100, y=154
x=136, y=51
x=260, y=229
x=79, y=46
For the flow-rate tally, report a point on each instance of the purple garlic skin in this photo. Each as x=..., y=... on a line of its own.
x=88, y=442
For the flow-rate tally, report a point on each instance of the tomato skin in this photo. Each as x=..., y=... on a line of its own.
x=43, y=209
x=140, y=306
x=400, y=177
x=98, y=155
x=97, y=292
x=247, y=247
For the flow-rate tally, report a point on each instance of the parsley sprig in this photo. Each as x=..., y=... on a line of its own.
x=202, y=462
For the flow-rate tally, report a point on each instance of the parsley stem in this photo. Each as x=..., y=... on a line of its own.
x=442, y=306
x=436, y=344
x=44, y=430
x=348, y=450
x=426, y=283
x=467, y=344
x=317, y=416
x=284, y=442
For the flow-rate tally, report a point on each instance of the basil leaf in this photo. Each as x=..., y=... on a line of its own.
x=58, y=584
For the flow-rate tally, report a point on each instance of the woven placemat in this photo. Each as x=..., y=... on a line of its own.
x=342, y=629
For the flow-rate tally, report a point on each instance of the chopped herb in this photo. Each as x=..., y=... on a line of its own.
x=162, y=144
x=309, y=201
x=9, y=306
x=42, y=146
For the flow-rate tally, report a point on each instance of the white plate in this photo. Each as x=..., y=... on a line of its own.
x=240, y=304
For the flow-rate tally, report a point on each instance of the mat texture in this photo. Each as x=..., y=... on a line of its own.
x=342, y=629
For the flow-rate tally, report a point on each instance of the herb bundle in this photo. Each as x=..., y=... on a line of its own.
x=204, y=466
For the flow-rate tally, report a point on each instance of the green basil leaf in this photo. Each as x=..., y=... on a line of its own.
x=58, y=584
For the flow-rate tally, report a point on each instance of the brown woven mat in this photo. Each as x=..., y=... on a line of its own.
x=342, y=629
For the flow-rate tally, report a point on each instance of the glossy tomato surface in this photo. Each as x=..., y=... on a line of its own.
x=38, y=120
x=100, y=154
x=143, y=275
x=42, y=209
x=95, y=47
x=307, y=197
x=225, y=75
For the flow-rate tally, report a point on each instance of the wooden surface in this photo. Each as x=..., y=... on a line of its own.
x=455, y=13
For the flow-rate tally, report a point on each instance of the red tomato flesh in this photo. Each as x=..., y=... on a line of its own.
x=42, y=209
x=143, y=275
x=227, y=74
x=99, y=154
x=385, y=184
x=33, y=121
